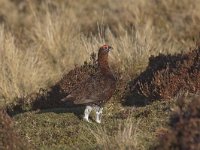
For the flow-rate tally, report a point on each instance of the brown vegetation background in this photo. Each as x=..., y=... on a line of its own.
x=42, y=40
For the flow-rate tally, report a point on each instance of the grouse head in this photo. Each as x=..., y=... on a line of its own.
x=103, y=59
x=105, y=49
x=103, y=53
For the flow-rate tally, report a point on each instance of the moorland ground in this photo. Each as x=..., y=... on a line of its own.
x=40, y=41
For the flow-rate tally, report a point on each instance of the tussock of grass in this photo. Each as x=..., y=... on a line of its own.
x=125, y=137
x=19, y=69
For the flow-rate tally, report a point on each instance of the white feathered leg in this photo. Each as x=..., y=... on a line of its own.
x=87, y=112
x=99, y=111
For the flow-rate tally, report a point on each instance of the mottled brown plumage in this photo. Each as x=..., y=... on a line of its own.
x=99, y=87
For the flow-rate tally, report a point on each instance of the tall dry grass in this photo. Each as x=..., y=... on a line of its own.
x=40, y=41
x=21, y=71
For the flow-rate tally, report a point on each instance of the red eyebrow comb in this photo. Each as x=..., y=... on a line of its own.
x=105, y=46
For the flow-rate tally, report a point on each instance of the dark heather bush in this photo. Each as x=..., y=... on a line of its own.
x=9, y=140
x=184, y=133
x=166, y=75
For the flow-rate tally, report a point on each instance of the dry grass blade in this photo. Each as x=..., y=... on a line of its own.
x=122, y=136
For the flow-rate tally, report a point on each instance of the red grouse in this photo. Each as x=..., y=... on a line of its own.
x=95, y=91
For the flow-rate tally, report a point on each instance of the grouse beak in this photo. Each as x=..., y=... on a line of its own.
x=110, y=48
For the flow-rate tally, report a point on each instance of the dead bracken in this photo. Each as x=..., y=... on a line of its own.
x=167, y=75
